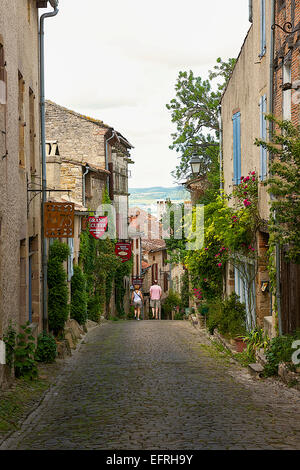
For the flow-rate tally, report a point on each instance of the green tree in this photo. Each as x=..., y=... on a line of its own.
x=194, y=110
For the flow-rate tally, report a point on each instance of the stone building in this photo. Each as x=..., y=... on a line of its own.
x=85, y=156
x=244, y=103
x=92, y=156
x=286, y=105
x=20, y=165
x=155, y=267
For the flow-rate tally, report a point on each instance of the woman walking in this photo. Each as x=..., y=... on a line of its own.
x=137, y=299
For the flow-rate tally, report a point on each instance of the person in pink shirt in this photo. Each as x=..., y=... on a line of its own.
x=155, y=295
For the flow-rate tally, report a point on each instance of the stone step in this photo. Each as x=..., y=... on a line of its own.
x=260, y=356
x=256, y=370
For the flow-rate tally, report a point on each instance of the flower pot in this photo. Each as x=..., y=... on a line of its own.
x=240, y=344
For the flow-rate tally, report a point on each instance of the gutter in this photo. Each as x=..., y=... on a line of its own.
x=221, y=147
x=87, y=168
x=54, y=4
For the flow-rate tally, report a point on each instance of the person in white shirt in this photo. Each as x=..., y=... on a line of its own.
x=137, y=300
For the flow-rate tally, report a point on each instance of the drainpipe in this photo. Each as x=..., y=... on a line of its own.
x=221, y=146
x=54, y=4
x=87, y=168
x=271, y=127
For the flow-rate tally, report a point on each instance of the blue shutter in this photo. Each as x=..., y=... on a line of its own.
x=263, y=136
x=262, y=27
x=236, y=119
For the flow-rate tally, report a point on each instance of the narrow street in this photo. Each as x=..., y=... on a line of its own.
x=158, y=385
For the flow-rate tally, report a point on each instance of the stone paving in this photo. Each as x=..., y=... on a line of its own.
x=157, y=385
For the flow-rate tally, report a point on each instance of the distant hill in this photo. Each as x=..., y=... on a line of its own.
x=147, y=197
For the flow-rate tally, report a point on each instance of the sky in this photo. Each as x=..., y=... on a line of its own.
x=118, y=62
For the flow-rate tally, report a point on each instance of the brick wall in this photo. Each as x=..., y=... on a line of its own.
x=287, y=50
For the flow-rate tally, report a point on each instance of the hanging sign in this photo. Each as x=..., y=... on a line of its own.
x=123, y=250
x=59, y=219
x=97, y=226
x=137, y=281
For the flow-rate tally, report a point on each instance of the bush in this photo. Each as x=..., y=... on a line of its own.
x=233, y=318
x=227, y=316
x=279, y=350
x=58, y=295
x=78, y=296
x=10, y=341
x=25, y=365
x=171, y=302
x=46, y=350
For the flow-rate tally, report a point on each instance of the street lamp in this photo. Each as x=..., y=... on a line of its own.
x=195, y=163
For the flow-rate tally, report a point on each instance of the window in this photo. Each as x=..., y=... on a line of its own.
x=236, y=119
x=263, y=136
x=262, y=28
x=280, y=4
x=286, y=93
x=21, y=121
x=31, y=131
x=154, y=272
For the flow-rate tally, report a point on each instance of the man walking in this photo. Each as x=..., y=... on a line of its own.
x=155, y=295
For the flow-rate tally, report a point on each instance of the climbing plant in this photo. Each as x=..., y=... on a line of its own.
x=58, y=294
x=284, y=185
x=78, y=308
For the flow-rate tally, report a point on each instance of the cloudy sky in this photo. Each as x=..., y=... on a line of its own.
x=118, y=61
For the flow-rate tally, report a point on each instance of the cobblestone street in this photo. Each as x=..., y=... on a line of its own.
x=159, y=385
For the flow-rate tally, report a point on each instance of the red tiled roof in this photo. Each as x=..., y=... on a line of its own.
x=153, y=245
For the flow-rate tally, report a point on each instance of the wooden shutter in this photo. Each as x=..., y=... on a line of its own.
x=262, y=27
x=263, y=136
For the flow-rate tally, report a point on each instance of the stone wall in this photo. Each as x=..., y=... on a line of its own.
x=20, y=165
x=80, y=138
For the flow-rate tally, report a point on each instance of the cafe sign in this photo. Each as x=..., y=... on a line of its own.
x=97, y=226
x=123, y=251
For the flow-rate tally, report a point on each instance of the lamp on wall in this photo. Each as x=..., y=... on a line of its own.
x=195, y=163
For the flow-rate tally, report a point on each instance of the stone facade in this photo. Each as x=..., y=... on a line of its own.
x=20, y=163
x=247, y=89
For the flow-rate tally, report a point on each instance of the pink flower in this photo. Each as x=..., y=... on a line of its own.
x=253, y=173
x=253, y=179
x=218, y=254
x=246, y=186
x=205, y=249
x=205, y=280
x=219, y=265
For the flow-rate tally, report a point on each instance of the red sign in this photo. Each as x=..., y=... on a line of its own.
x=97, y=226
x=123, y=250
x=137, y=281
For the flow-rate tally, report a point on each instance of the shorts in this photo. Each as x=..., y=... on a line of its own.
x=154, y=303
x=137, y=303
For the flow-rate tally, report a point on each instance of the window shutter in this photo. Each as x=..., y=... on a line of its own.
x=263, y=135
x=262, y=27
x=236, y=148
